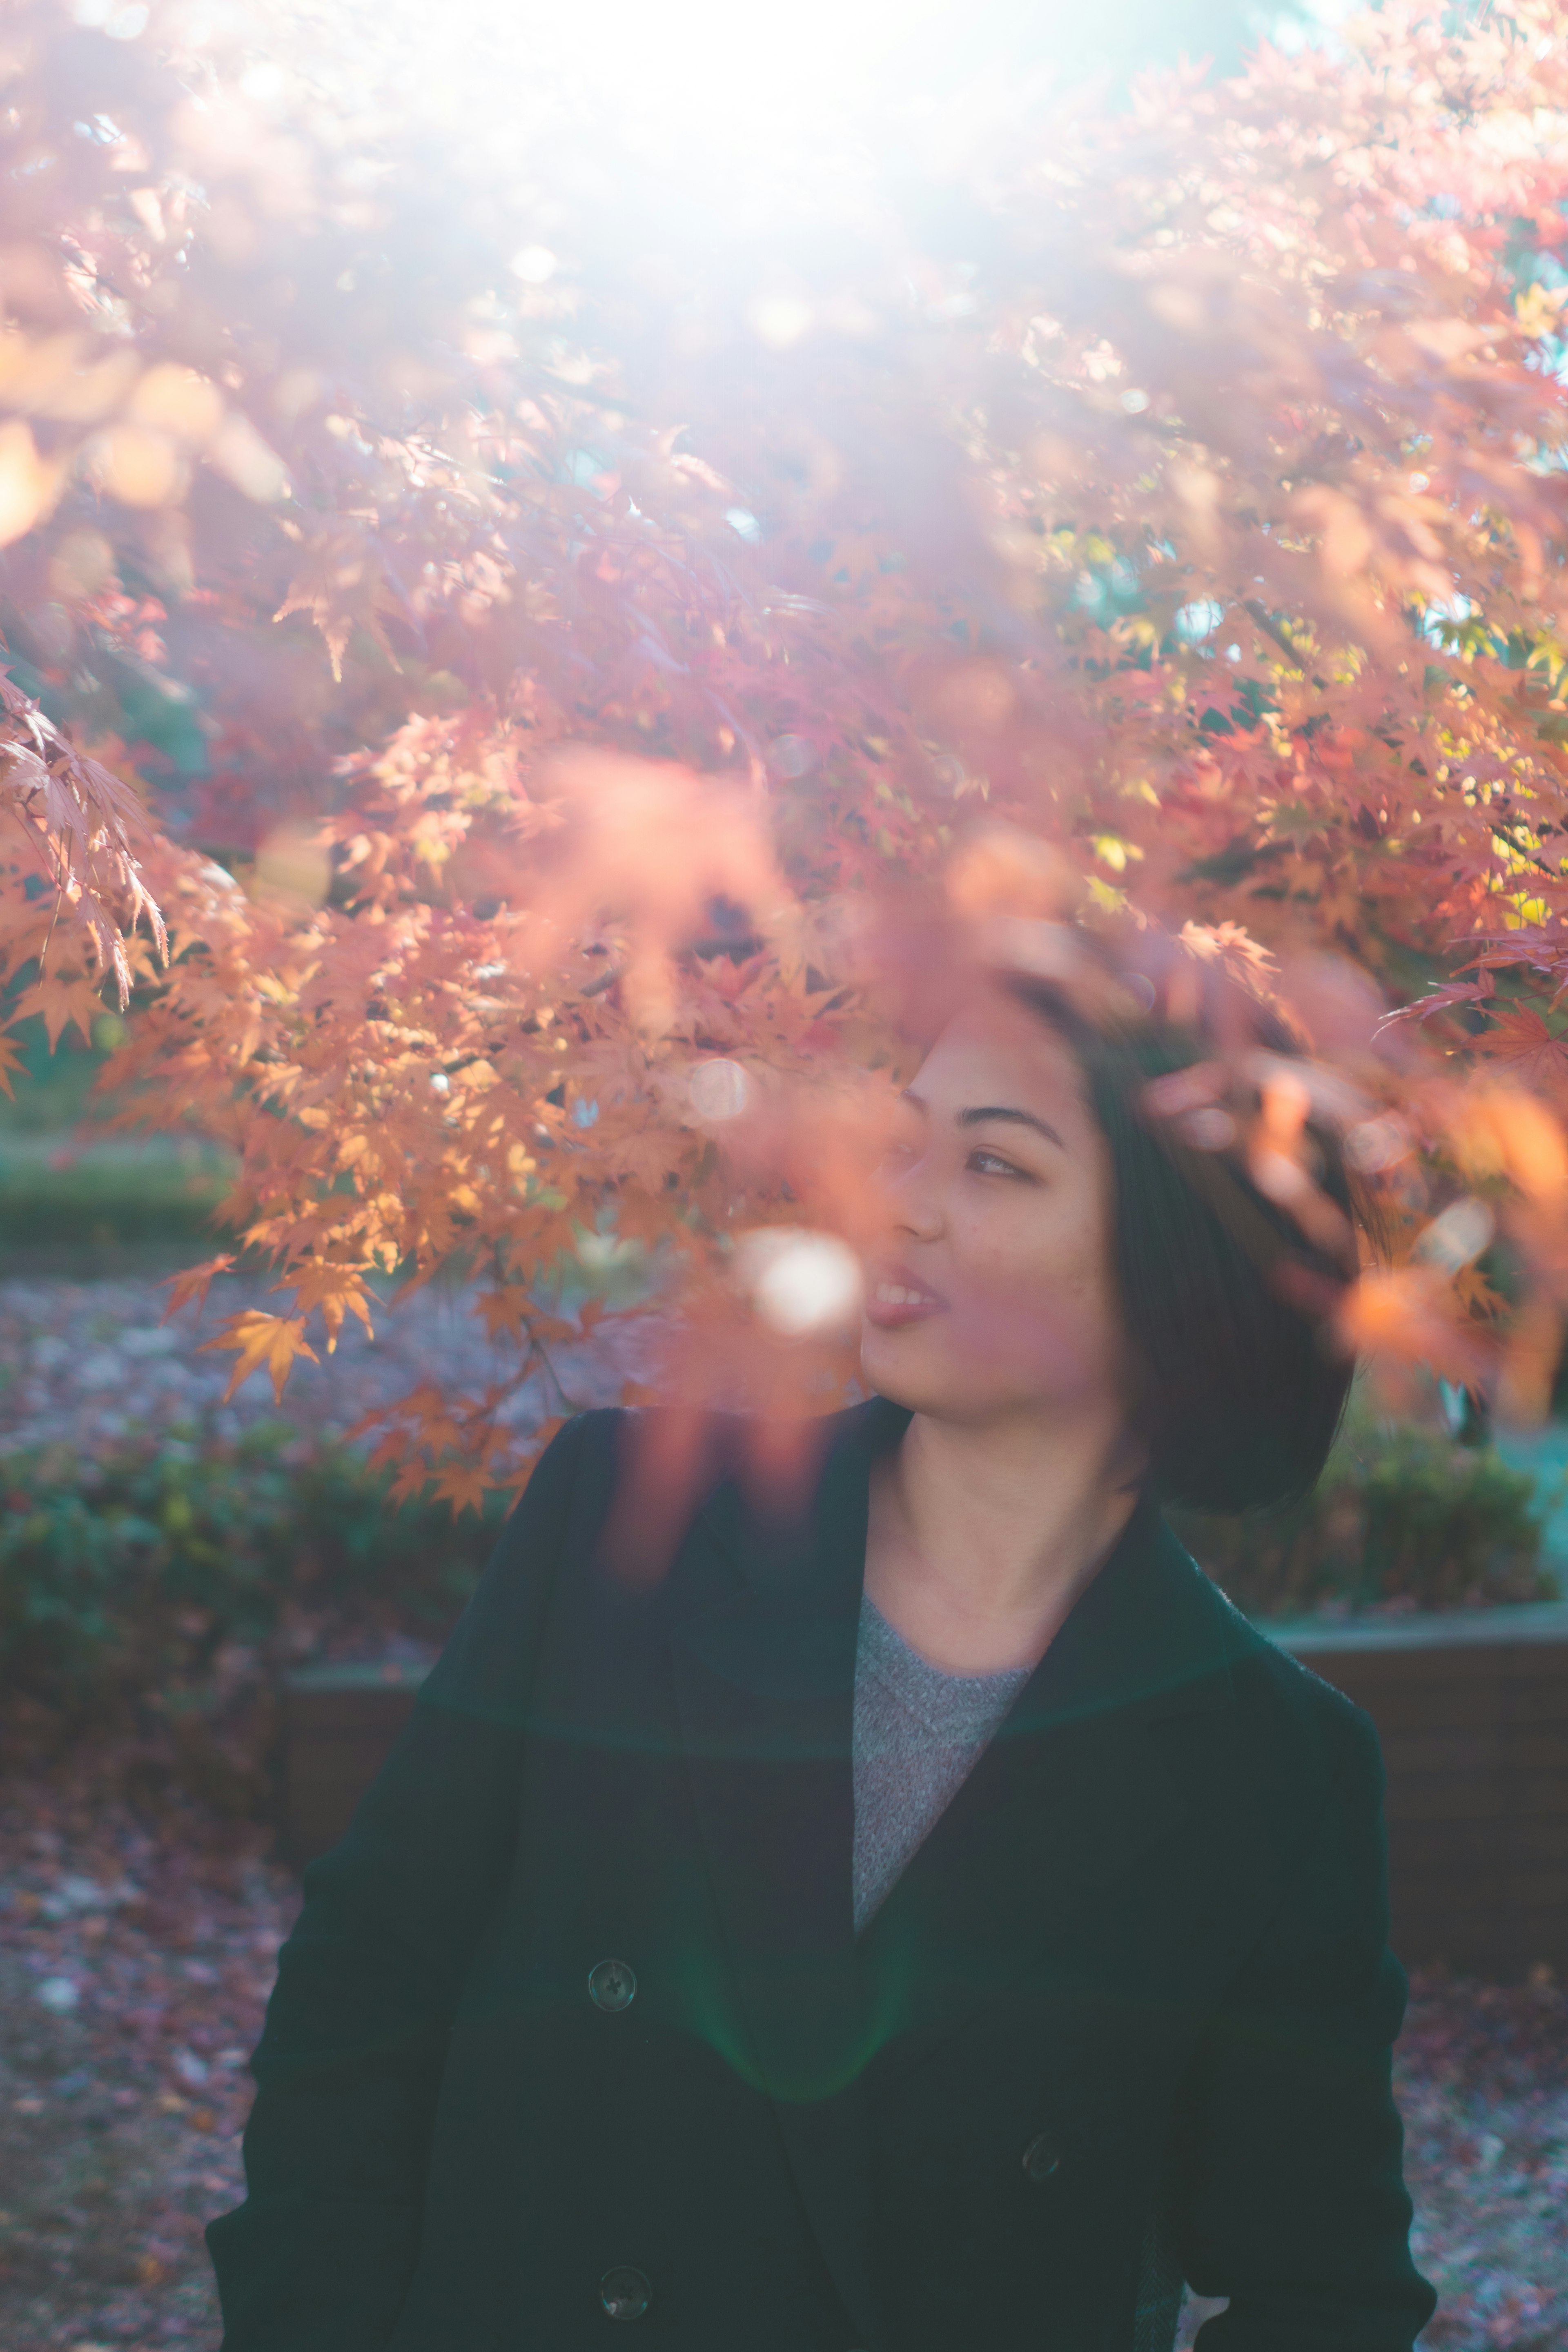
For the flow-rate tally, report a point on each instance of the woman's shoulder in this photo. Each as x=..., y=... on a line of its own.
x=1297, y=1706
x=1282, y=1748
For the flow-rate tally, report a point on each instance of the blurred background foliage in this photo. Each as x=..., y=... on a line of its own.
x=1403, y=1519
x=74, y=1201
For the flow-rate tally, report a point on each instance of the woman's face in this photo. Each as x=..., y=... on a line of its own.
x=991, y=1294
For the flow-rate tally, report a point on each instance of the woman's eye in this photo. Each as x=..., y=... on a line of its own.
x=991, y=1163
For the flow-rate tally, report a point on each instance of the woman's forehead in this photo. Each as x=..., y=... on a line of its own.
x=990, y=1038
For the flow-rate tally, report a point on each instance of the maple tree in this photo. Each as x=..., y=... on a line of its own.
x=564, y=653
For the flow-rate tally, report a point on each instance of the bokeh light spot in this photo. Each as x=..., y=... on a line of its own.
x=1458, y=1235
x=799, y=1282
x=534, y=263
x=1376, y=1143
x=791, y=757
x=292, y=865
x=720, y=1090
x=778, y=320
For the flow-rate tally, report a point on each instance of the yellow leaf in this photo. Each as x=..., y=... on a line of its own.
x=1539, y=309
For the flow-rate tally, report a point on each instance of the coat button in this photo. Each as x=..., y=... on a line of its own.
x=612, y=1985
x=1041, y=2157
x=625, y=2293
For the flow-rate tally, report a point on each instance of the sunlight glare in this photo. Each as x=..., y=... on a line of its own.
x=708, y=70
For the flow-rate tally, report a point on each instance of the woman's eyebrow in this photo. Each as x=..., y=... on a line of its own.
x=984, y=1111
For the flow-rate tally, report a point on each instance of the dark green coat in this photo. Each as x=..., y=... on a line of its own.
x=1145, y=1948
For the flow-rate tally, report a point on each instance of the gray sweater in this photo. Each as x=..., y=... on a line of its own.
x=918, y=1735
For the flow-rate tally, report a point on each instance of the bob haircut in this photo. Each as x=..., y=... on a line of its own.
x=1226, y=1300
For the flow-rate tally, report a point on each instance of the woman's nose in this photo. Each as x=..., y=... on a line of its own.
x=916, y=1209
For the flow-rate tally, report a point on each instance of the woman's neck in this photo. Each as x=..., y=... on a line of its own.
x=981, y=1539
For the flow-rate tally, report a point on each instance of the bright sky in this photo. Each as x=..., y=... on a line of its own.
x=697, y=86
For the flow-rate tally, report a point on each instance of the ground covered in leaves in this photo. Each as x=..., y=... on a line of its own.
x=89, y=1364
x=137, y=1952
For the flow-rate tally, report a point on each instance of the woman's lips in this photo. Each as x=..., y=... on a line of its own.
x=892, y=1300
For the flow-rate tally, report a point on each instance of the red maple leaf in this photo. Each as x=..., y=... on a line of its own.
x=1520, y=1039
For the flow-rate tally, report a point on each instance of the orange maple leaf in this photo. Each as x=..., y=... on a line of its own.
x=1410, y=1312
x=427, y=1408
x=462, y=1485
x=413, y=1477
x=59, y=1001
x=506, y=1310
x=337, y=1290
x=10, y=1059
x=193, y=1284
x=271, y=1339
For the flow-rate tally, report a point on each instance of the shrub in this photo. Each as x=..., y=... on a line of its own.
x=159, y=1591
x=1401, y=1519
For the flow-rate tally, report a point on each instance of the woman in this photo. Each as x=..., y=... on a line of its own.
x=924, y=1914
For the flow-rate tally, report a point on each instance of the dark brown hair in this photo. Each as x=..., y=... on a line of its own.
x=1228, y=1300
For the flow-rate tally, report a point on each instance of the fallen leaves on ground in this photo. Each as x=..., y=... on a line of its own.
x=137, y=1951
x=136, y=1958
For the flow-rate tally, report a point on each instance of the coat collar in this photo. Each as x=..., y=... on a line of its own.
x=1148, y=1633
x=1075, y=1791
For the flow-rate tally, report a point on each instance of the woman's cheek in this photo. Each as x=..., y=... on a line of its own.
x=1045, y=1330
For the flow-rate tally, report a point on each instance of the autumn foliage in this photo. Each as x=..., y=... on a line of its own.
x=561, y=648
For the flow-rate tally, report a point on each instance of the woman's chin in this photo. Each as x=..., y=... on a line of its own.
x=908, y=1364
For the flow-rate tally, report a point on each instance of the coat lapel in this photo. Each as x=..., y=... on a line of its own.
x=1091, y=1784
x=764, y=1682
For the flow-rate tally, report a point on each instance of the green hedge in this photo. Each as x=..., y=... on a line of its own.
x=67, y=1186
x=161, y=1572
x=109, y=1196
x=1401, y=1519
